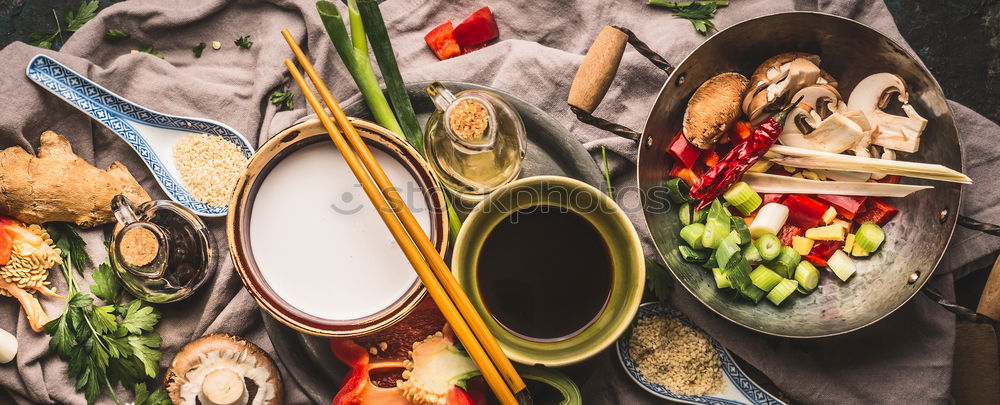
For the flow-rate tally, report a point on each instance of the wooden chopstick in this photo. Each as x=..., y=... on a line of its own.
x=441, y=285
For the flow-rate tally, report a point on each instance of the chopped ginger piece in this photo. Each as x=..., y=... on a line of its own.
x=829, y=215
x=849, y=243
x=857, y=251
x=829, y=232
x=802, y=245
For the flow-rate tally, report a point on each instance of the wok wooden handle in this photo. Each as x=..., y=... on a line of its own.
x=989, y=302
x=598, y=70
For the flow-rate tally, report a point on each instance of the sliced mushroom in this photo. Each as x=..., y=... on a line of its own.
x=712, y=108
x=775, y=66
x=213, y=370
x=823, y=99
x=872, y=95
x=834, y=134
x=772, y=95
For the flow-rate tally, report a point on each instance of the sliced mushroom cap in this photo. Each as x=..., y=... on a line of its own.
x=898, y=132
x=827, y=79
x=761, y=101
x=712, y=108
x=822, y=98
x=834, y=134
x=874, y=92
x=213, y=369
x=772, y=68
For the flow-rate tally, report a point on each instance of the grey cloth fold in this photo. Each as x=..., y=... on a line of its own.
x=904, y=359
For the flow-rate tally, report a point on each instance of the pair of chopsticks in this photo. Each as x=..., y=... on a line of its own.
x=482, y=347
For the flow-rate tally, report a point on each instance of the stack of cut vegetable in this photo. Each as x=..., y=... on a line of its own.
x=770, y=245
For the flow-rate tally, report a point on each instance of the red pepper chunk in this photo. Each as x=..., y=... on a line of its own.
x=878, y=211
x=739, y=131
x=477, y=28
x=683, y=173
x=683, y=151
x=825, y=248
x=804, y=212
x=815, y=260
x=771, y=198
x=442, y=41
x=846, y=206
x=787, y=232
x=709, y=157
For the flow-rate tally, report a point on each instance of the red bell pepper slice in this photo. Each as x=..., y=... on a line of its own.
x=892, y=178
x=683, y=151
x=804, y=212
x=709, y=157
x=787, y=232
x=442, y=41
x=815, y=260
x=878, y=211
x=825, y=248
x=474, y=47
x=771, y=198
x=477, y=28
x=846, y=206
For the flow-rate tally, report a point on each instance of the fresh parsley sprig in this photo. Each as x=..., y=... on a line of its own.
x=283, y=99
x=659, y=280
x=243, y=42
x=700, y=13
x=116, y=35
x=103, y=345
x=197, y=50
x=73, y=21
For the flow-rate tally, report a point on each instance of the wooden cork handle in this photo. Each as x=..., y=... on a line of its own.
x=598, y=70
x=989, y=303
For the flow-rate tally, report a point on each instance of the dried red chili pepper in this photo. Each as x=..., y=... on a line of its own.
x=730, y=169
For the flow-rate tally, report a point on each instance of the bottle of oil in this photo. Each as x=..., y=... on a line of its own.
x=475, y=141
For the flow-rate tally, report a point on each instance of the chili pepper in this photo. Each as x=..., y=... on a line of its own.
x=771, y=198
x=730, y=169
x=804, y=212
x=878, y=211
x=442, y=41
x=683, y=151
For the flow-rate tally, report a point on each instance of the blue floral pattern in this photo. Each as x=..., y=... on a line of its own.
x=116, y=113
x=751, y=392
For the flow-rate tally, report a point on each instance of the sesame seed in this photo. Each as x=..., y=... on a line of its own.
x=674, y=355
x=209, y=167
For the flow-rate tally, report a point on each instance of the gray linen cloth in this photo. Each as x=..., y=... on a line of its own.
x=904, y=359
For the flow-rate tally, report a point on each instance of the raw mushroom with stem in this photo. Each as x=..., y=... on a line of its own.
x=820, y=122
x=777, y=79
x=872, y=96
x=221, y=369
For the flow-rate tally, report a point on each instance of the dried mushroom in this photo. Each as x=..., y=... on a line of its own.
x=713, y=107
x=221, y=369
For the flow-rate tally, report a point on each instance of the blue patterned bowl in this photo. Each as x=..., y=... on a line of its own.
x=150, y=133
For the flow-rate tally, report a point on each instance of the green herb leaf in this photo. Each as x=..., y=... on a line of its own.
x=660, y=281
x=140, y=318
x=62, y=339
x=283, y=99
x=80, y=300
x=244, y=42
x=144, y=397
x=74, y=249
x=86, y=12
x=152, y=51
x=103, y=319
x=198, y=49
x=116, y=35
x=43, y=39
x=144, y=349
x=106, y=285
x=698, y=12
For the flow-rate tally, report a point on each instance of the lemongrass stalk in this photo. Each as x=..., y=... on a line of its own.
x=358, y=64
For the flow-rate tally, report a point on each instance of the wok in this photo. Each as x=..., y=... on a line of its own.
x=916, y=238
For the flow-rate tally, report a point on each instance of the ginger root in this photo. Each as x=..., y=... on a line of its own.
x=58, y=185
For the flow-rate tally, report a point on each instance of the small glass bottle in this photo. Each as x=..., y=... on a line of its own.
x=475, y=141
x=161, y=251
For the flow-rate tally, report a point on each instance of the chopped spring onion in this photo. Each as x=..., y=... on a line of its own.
x=802, y=245
x=841, y=265
x=869, y=237
x=829, y=232
x=752, y=255
x=687, y=217
x=715, y=232
x=769, y=219
x=786, y=262
x=720, y=280
x=677, y=190
x=765, y=278
x=743, y=198
x=769, y=246
x=741, y=229
x=692, y=234
x=727, y=249
x=811, y=159
x=753, y=293
x=692, y=255
x=772, y=183
x=829, y=215
x=807, y=276
x=711, y=262
x=781, y=291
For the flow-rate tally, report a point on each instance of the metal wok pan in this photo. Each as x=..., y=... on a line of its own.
x=916, y=238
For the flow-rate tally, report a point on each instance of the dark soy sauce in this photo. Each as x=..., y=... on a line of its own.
x=544, y=273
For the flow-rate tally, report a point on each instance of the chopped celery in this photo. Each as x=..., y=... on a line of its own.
x=752, y=255
x=786, y=261
x=829, y=215
x=720, y=280
x=869, y=237
x=769, y=246
x=829, y=232
x=726, y=251
x=688, y=218
x=743, y=198
x=769, y=219
x=692, y=234
x=802, y=245
x=677, y=190
x=781, y=291
x=740, y=227
x=807, y=275
x=764, y=278
x=841, y=264
x=692, y=255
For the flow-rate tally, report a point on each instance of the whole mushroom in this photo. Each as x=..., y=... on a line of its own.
x=872, y=96
x=216, y=369
x=713, y=107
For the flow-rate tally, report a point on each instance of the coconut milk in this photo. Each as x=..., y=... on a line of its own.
x=318, y=241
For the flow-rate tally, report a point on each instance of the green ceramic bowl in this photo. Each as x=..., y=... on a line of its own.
x=628, y=274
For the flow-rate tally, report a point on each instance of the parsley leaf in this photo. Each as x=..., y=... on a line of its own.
x=197, y=49
x=144, y=349
x=103, y=319
x=660, y=281
x=283, y=99
x=144, y=397
x=86, y=12
x=140, y=318
x=62, y=339
x=73, y=247
x=116, y=35
x=150, y=50
x=699, y=13
x=106, y=286
x=74, y=21
x=244, y=42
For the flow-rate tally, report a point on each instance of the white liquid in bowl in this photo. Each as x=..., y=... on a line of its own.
x=318, y=241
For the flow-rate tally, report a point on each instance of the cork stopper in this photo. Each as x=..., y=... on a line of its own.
x=139, y=246
x=469, y=119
